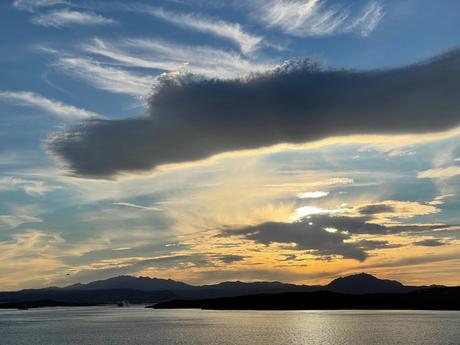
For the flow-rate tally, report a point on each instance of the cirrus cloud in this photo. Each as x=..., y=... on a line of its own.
x=306, y=18
x=66, y=17
x=51, y=106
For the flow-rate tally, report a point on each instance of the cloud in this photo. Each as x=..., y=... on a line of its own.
x=19, y=215
x=221, y=28
x=32, y=5
x=66, y=17
x=28, y=258
x=311, y=234
x=414, y=261
x=307, y=211
x=193, y=118
x=312, y=195
x=12, y=221
x=107, y=268
x=389, y=209
x=30, y=187
x=52, y=107
x=375, y=244
x=305, y=18
x=107, y=78
x=229, y=259
x=430, y=243
x=165, y=56
x=128, y=204
x=436, y=173
x=441, y=199
x=376, y=209
x=367, y=225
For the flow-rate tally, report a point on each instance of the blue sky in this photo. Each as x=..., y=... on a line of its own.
x=66, y=65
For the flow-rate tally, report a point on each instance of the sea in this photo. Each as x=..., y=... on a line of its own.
x=135, y=325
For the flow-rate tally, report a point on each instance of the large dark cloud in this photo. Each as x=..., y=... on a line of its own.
x=327, y=234
x=308, y=235
x=190, y=119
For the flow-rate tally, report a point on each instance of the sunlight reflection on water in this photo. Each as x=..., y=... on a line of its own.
x=136, y=325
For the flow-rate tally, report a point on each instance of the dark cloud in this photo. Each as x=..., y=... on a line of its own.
x=290, y=257
x=327, y=235
x=311, y=235
x=373, y=244
x=376, y=209
x=430, y=243
x=354, y=225
x=191, y=119
x=395, y=229
x=363, y=225
x=228, y=259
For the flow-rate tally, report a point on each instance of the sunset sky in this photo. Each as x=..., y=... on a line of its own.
x=208, y=140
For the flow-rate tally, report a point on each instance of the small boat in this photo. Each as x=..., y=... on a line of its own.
x=23, y=307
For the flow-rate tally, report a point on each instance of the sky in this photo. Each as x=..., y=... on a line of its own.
x=206, y=141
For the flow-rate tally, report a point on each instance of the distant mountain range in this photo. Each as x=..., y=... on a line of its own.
x=133, y=283
x=153, y=290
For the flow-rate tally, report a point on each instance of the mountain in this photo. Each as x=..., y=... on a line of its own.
x=365, y=283
x=224, y=289
x=154, y=290
x=353, y=284
x=431, y=299
x=133, y=283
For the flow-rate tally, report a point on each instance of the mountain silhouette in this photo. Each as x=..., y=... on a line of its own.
x=352, y=284
x=154, y=290
x=130, y=282
x=365, y=283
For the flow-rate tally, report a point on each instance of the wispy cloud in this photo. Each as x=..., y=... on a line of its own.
x=107, y=78
x=128, y=204
x=32, y=5
x=66, y=17
x=8, y=222
x=30, y=187
x=19, y=215
x=231, y=31
x=440, y=172
x=50, y=106
x=164, y=56
x=39, y=248
x=304, y=18
x=369, y=18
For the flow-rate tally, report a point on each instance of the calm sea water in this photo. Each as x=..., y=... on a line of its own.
x=136, y=325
